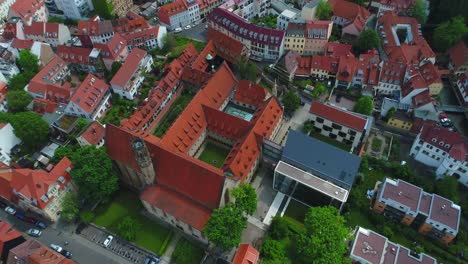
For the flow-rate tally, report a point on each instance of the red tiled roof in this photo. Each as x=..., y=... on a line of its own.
x=238, y=26
x=44, y=106
x=27, y=8
x=392, y=72
x=46, y=29
x=7, y=233
x=429, y=73
x=34, y=184
x=174, y=8
x=94, y=133
x=250, y=93
x=76, y=55
x=47, y=255
x=339, y=116
x=177, y=205
x=225, y=124
x=458, y=54
x=326, y=63
x=348, y=10
x=22, y=44
x=318, y=29
x=304, y=65
x=421, y=99
x=89, y=94
x=130, y=23
x=201, y=62
x=337, y=49
x=142, y=36
x=399, y=5
x=246, y=254
x=125, y=73
x=442, y=138
x=95, y=27
x=347, y=68
x=228, y=48
x=112, y=49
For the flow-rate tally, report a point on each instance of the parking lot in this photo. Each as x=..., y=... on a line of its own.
x=120, y=247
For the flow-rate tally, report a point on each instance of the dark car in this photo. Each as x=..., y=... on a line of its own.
x=151, y=260
x=30, y=220
x=338, y=98
x=20, y=216
x=41, y=224
x=2, y=205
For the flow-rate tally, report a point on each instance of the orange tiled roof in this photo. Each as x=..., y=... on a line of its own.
x=89, y=94
x=250, y=93
x=27, y=8
x=246, y=254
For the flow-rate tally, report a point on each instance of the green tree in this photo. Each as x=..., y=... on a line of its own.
x=419, y=11
x=18, y=101
x=325, y=238
x=104, y=8
x=224, y=227
x=28, y=63
x=307, y=126
x=114, y=69
x=364, y=105
x=17, y=83
x=128, y=228
x=441, y=10
x=247, y=69
x=92, y=171
x=324, y=10
x=279, y=228
x=246, y=198
x=319, y=89
x=359, y=2
x=449, y=33
x=291, y=101
x=30, y=128
x=87, y=216
x=81, y=124
x=390, y=113
x=185, y=253
x=448, y=187
x=169, y=43
x=368, y=39
x=70, y=207
x=273, y=249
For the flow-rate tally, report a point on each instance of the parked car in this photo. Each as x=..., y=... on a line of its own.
x=34, y=232
x=151, y=260
x=30, y=220
x=60, y=250
x=3, y=205
x=10, y=210
x=178, y=30
x=40, y=224
x=442, y=116
x=338, y=98
x=188, y=27
x=20, y=216
x=108, y=241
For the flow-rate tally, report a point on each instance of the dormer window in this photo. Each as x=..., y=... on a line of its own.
x=441, y=143
x=434, y=140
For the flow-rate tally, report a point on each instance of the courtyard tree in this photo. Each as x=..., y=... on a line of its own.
x=224, y=227
x=449, y=33
x=246, y=198
x=291, y=101
x=390, y=113
x=92, y=171
x=419, y=11
x=247, y=69
x=30, y=128
x=368, y=39
x=307, y=126
x=318, y=90
x=325, y=238
x=18, y=101
x=70, y=207
x=324, y=10
x=28, y=63
x=273, y=249
x=17, y=83
x=128, y=228
x=87, y=216
x=364, y=105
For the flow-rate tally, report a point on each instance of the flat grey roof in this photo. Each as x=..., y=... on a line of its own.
x=321, y=159
x=316, y=183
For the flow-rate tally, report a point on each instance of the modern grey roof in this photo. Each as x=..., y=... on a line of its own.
x=321, y=159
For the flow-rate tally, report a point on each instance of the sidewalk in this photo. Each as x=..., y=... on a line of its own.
x=166, y=257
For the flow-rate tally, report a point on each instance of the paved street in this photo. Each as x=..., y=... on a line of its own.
x=84, y=251
x=197, y=32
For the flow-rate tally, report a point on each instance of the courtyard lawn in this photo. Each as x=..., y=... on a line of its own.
x=296, y=211
x=329, y=141
x=151, y=235
x=177, y=107
x=187, y=253
x=214, y=155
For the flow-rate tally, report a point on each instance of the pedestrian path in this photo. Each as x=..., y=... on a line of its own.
x=166, y=257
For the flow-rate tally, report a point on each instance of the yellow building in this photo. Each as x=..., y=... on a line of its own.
x=400, y=121
x=295, y=37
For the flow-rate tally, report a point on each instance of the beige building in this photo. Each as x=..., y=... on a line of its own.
x=121, y=7
x=308, y=37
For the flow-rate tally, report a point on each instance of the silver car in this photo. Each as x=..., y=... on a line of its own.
x=34, y=232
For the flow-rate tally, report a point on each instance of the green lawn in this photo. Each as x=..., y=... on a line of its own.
x=214, y=155
x=176, y=108
x=187, y=253
x=329, y=141
x=296, y=211
x=151, y=235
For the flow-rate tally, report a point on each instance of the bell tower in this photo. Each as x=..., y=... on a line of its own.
x=145, y=163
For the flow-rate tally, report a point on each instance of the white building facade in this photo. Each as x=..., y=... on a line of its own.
x=4, y=7
x=75, y=9
x=7, y=143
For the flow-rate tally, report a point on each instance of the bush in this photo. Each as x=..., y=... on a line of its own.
x=164, y=245
x=128, y=228
x=87, y=216
x=279, y=228
x=186, y=253
x=273, y=249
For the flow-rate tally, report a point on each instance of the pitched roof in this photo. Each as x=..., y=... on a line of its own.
x=246, y=254
x=250, y=93
x=348, y=10
x=458, y=54
x=442, y=138
x=27, y=8
x=337, y=49
x=392, y=72
x=89, y=94
x=34, y=184
x=94, y=133
x=174, y=8
x=113, y=48
x=131, y=64
x=228, y=48
x=336, y=115
x=429, y=73
x=347, y=68
x=130, y=23
x=141, y=36
x=7, y=233
x=238, y=26
x=76, y=55
x=22, y=44
x=46, y=29
x=47, y=255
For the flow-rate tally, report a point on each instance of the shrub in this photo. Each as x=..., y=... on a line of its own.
x=87, y=216
x=279, y=228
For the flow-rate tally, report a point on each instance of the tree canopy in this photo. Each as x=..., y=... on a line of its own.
x=70, y=207
x=104, y=8
x=291, y=101
x=325, y=238
x=449, y=33
x=28, y=63
x=92, y=171
x=448, y=188
x=364, y=105
x=18, y=101
x=419, y=11
x=318, y=90
x=128, y=228
x=324, y=10
x=30, y=128
x=441, y=10
x=247, y=69
x=225, y=225
x=17, y=82
x=246, y=198
x=368, y=39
